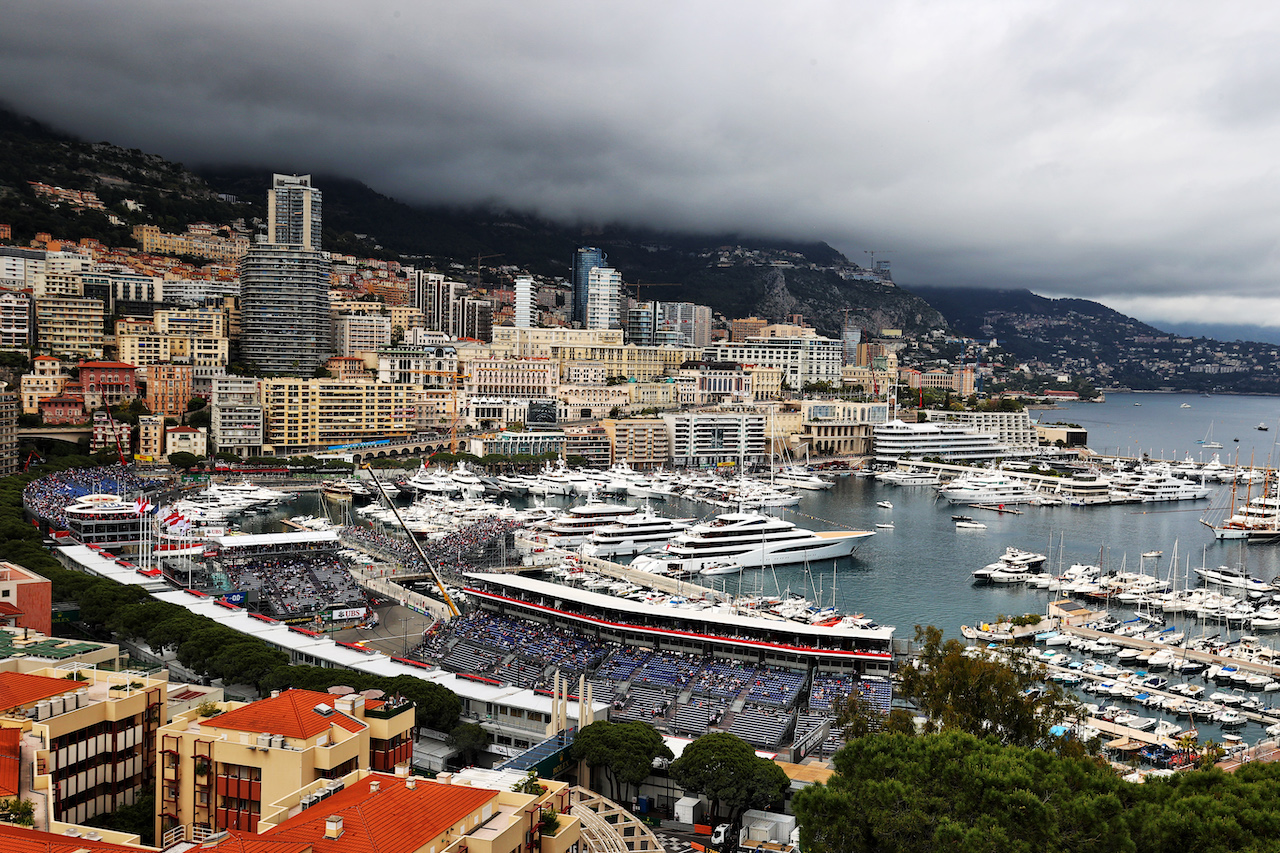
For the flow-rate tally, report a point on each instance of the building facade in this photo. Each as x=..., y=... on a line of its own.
x=284, y=297
x=294, y=209
x=108, y=383
x=69, y=326
x=705, y=439
x=236, y=422
x=16, y=321
x=170, y=388
x=223, y=771
x=585, y=260
x=308, y=415
x=803, y=360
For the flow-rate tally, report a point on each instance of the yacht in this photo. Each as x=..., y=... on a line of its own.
x=1234, y=578
x=907, y=478
x=799, y=477
x=575, y=525
x=987, y=489
x=633, y=534
x=747, y=540
x=1163, y=486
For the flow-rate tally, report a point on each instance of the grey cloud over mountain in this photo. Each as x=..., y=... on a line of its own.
x=1124, y=152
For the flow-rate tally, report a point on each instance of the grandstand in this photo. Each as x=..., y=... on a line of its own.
x=679, y=692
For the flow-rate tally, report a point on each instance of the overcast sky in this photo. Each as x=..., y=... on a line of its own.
x=1125, y=152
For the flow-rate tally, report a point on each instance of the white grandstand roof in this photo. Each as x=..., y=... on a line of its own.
x=725, y=621
x=293, y=537
x=104, y=565
x=374, y=663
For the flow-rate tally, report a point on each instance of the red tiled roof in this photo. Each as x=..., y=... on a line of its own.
x=98, y=365
x=10, y=760
x=7, y=609
x=392, y=819
x=291, y=714
x=19, y=688
x=16, y=839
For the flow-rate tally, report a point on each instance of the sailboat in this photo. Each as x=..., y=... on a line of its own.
x=1208, y=441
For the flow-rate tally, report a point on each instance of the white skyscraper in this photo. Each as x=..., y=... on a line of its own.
x=604, y=298
x=526, y=303
x=293, y=212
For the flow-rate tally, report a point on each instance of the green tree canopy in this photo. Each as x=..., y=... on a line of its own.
x=979, y=695
x=184, y=460
x=727, y=770
x=625, y=751
x=469, y=739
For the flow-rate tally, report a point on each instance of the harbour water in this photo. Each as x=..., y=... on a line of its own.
x=919, y=572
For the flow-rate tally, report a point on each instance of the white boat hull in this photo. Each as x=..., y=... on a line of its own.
x=783, y=553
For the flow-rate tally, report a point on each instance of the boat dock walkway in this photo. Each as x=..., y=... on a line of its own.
x=1206, y=658
x=996, y=508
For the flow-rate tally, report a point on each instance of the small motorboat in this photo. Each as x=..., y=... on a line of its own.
x=887, y=525
x=1262, y=427
x=970, y=525
x=884, y=504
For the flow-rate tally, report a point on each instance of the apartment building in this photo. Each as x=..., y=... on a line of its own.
x=708, y=386
x=62, y=409
x=635, y=362
x=26, y=599
x=236, y=415
x=840, y=427
x=16, y=321
x=802, y=359
x=185, y=439
x=430, y=366
x=746, y=327
x=479, y=811
x=306, y=415
x=150, y=439
x=223, y=770
x=361, y=333
x=591, y=442
x=201, y=240
x=93, y=733
x=583, y=402
x=702, y=439
x=109, y=434
x=512, y=377
x=46, y=379
x=108, y=383
x=520, y=342
x=69, y=326
x=1013, y=429
x=643, y=443
x=10, y=461
x=170, y=388
x=122, y=290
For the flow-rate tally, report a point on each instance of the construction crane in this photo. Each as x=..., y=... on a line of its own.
x=116, y=435
x=39, y=460
x=435, y=576
x=637, y=286
x=480, y=258
x=873, y=253
x=454, y=379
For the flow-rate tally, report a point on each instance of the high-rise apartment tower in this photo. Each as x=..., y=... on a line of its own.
x=584, y=261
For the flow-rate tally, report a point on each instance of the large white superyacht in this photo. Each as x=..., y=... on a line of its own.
x=633, y=534
x=747, y=540
x=987, y=489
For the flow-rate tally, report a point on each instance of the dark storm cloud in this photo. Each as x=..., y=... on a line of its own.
x=1115, y=151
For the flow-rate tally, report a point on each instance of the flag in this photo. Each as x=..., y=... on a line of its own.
x=142, y=505
x=171, y=518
